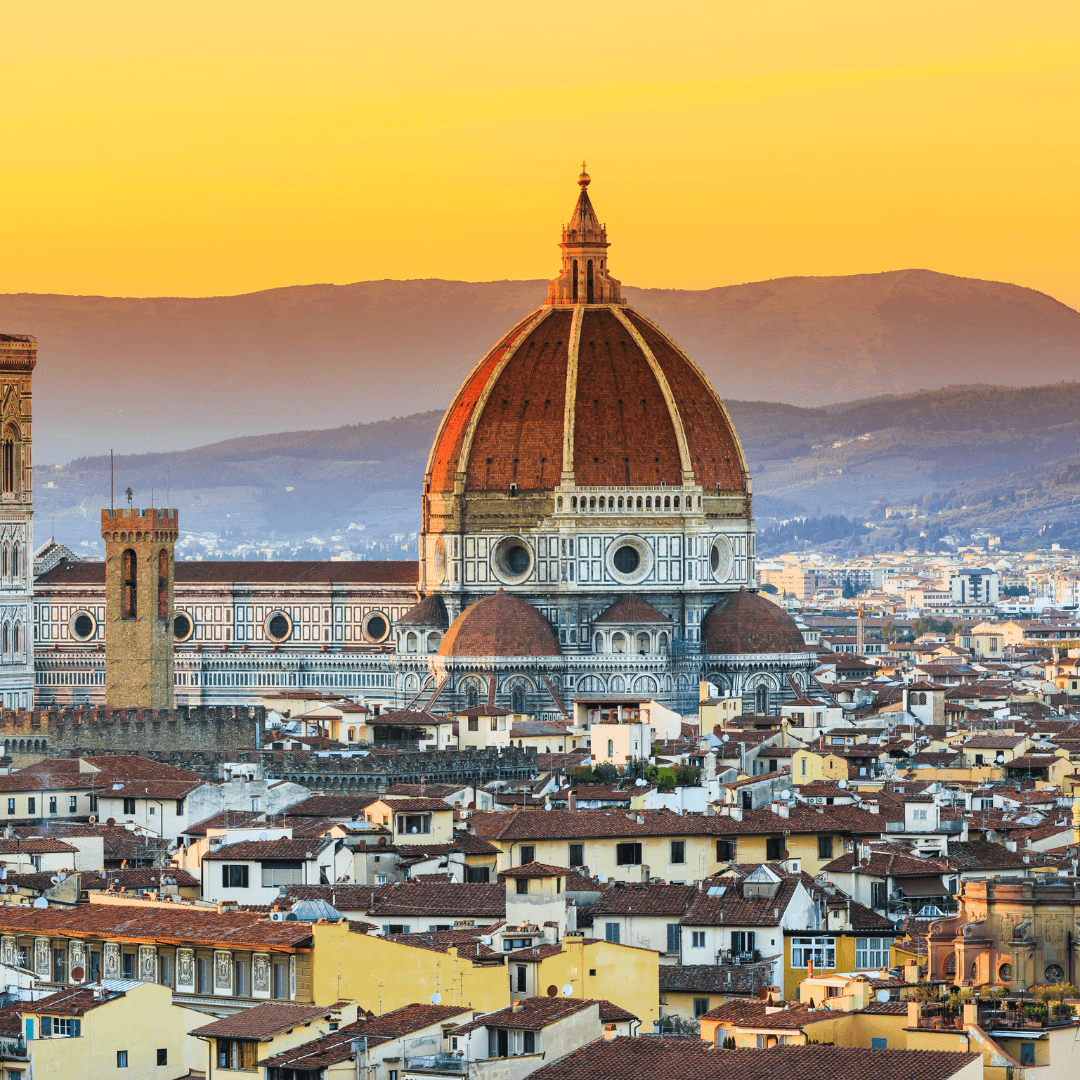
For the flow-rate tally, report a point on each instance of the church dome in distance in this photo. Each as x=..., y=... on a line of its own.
x=745, y=622
x=500, y=625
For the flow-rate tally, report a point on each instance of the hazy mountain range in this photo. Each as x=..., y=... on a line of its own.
x=165, y=373
x=969, y=457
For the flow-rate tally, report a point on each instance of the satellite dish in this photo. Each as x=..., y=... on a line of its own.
x=841, y=783
x=723, y=738
x=55, y=880
x=41, y=902
x=883, y=996
x=77, y=974
x=436, y=998
x=567, y=990
x=601, y=876
x=785, y=794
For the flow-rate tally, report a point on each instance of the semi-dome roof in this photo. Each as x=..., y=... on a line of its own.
x=500, y=625
x=585, y=389
x=431, y=611
x=745, y=622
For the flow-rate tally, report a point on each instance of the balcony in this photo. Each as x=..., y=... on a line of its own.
x=440, y=1064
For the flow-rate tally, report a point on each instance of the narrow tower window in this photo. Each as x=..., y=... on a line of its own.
x=163, y=584
x=129, y=604
x=575, y=301
x=589, y=282
x=10, y=437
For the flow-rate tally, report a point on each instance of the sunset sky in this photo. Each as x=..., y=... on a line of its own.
x=225, y=147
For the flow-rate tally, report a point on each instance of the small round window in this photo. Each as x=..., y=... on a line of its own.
x=376, y=627
x=629, y=560
x=438, y=559
x=721, y=559
x=183, y=626
x=278, y=626
x=513, y=560
x=83, y=626
x=626, y=559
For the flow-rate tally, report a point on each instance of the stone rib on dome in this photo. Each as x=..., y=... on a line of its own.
x=745, y=622
x=500, y=625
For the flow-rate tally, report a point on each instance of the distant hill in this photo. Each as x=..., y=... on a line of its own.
x=163, y=373
x=1007, y=460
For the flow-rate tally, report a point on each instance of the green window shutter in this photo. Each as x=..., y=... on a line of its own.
x=76, y=1027
x=46, y=1027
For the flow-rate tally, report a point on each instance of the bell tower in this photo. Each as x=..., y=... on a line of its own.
x=139, y=548
x=18, y=357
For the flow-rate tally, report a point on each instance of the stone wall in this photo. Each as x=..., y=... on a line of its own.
x=225, y=728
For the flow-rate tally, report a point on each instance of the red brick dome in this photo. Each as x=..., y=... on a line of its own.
x=585, y=389
x=500, y=625
x=745, y=622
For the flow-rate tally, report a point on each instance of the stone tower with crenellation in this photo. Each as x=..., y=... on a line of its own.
x=18, y=356
x=139, y=607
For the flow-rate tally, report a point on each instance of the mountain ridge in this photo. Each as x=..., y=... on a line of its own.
x=154, y=372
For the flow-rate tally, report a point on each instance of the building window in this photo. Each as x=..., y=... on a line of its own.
x=611, y=932
x=819, y=951
x=1027, y=1053
x=59, y=965
x=878, y=1043
x=282, y=873
x=281, y=981
x=163, y=584
x=725, y=851
x=742, y=942
x=774, y=847
x=877, y=894
x=129, y=603
x=522, y=886
x=127, y=965
x=179, y=807
x=678, y=851
x=824, y=847
x=234, y=876
x=701, y=1007
x=522, y=978
x=628, y=854
x=474, y=723
x=577, y=854
x=697, y=939
x=121, y=1059
x=242, y=978
x=528, y=854
x=202, y=974
x=165, y=971
x=52, y=804
x=129, y=806
x=871, y=953
x=11, y=806
x=237, y=1054
x=73, y=801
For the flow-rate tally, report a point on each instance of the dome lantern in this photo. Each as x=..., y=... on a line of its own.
x=584, y=278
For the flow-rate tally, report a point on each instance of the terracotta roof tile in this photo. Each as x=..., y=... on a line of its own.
x=745, y=622
x=262, y=1021
x=500, y=625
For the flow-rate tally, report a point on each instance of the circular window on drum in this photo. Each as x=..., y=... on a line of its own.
x=629, y=559
x=512, y=560
x=438, y=560
x=183, y=626
x=278, y=626
x=83, y=625
x=1053, y=974
x=376, y=626
x=1005, y=973
x=721, y=559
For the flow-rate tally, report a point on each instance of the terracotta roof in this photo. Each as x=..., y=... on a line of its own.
x=531, y=1014
x=733, y=908
x=715, y=978
x=431, y=611
x=632, y=609
x=40, y=845
x=262, y=1021
x=261, y=573
x=337, y=1046
x=647, y=900
x=149, y=877
x=348, y=807
x=461, y=899
x=745, y=622
x=416, y=806
x=691, y=1059
x=500, y=625
x=137, y=921
x=76, y=1001
x=259, y=850
x=237, y=819
x=534, y=870
x=409, y=718
x=466, y=942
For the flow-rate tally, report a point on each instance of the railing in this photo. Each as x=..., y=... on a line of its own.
x=438, y=1063
x=1015, y=1020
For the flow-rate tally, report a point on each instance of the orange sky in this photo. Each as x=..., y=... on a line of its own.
x=225, y=147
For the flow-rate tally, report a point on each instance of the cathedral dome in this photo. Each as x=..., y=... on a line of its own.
x=585, y=391
x=745, y=622
x=500, y=625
